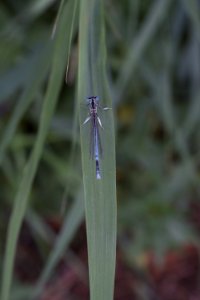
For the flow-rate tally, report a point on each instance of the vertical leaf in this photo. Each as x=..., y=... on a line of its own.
x=100, y=195
x=33, y=85
x=71, y=223
x=60, y=59
x=156, y=15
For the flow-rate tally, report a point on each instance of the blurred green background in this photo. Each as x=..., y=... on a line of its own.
x=153, y=63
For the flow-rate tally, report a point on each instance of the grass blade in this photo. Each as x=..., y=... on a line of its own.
x=33, y=85
x=60, y=58
x=100, y=195
x=71, y=223
x=139, y=44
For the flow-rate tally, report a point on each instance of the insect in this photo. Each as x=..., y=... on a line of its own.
x=95, y=142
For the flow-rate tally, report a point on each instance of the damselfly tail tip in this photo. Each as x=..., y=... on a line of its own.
x=98, y=176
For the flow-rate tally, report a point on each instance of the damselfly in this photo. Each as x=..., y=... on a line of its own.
x=95, y=142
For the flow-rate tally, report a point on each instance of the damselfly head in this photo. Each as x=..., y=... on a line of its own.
x=94, y=98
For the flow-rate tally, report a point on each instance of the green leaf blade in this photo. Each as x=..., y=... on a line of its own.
x=100, y=195
x=60, y=59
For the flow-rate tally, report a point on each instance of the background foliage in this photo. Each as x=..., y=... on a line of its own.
x=154, y=73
